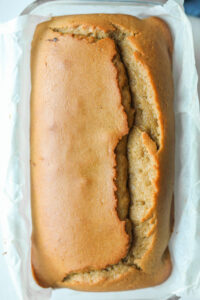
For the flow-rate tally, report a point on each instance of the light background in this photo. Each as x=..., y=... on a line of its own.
x=10, y=9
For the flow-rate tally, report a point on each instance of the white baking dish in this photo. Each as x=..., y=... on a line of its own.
x=15, y=40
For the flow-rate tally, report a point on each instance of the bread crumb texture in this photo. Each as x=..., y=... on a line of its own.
x=102, y=152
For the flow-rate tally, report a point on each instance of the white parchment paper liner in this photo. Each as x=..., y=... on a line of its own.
x=15, y=220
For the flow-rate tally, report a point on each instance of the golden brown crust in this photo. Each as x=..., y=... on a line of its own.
x=151, y=47
x=83, y=177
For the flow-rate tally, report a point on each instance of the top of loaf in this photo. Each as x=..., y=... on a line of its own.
x=94, y=211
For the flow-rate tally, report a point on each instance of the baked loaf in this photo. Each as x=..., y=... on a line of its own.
x=102, y=152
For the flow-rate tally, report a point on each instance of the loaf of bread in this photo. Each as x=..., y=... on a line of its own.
x=102, y=152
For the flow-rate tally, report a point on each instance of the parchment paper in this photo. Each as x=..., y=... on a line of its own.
x=15, y=220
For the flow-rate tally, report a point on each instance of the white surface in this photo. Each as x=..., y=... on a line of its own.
x=9, y=10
